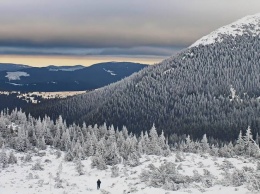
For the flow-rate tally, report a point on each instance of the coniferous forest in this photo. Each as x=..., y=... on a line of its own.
x=210, y=89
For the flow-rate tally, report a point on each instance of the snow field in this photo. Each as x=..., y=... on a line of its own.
x=21, y=179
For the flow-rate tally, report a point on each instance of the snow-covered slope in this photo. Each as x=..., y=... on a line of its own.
x=16, y=75
x=59, y=177
x=248, y=25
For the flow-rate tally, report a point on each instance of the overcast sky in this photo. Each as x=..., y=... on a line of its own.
x=109, y=29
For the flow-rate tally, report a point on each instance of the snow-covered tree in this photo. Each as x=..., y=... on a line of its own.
x=12, y=158
x=114, y=171
x=3, y=158
x=98, y=162
x=204, y=144
x=79, y=166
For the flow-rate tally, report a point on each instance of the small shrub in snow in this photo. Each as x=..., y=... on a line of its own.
x=58, y=184
x=114, y=171
x=201, y=165
x=207, y=179
x=207, y=182
x=180, y=167
x=170, y=186
x=226, y=165
x=179, y=157
x=69, y=156
x=104, y=191
x=58, y=154
x=40, y=182
x=196, y=176
x=28, y=158
x=248, y=169
x=206, y=172
x=1, y=141
x=47, y=161
x=41, y=154
x=204, y=156
x=165, y=176
x=238, y=178
x=151, y=166
x=29, y=176
x=37, y=166
x=12, y=158
x=253, y=182
x=36, y=176
x=57, y=179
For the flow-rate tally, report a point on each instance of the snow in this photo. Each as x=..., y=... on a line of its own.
x=247, y=25
x=30, y=96
x=66, y=68
x=168, y=71
x=14, y=84
x=16, y=179
x=109, y=71
x=16, y=75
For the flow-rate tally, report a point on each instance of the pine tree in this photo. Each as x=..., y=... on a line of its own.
x=111, y=155
x=248, y=139
x=78, y=151
x=257, y=139
x=21, y=141
x=153, y=145
x=65, y=141
x=79, y=166
x=240, y=145
x=3, y=158
x=98, y=162
x=133, y=159
x=114, y=171
x=41, y=143
x=204, y=144
x=69, y=156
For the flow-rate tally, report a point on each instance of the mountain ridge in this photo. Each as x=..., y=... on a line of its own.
x=247, y=25
x=72, y=78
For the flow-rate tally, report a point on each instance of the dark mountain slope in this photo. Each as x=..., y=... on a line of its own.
x=210, y=88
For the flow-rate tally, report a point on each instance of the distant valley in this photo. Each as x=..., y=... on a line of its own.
x=16, y=77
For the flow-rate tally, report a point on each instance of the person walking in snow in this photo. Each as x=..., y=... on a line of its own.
x=98, y=184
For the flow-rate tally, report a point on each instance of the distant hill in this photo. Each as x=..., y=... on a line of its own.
x=65, y=78
x=12, y=67
x=212, y=87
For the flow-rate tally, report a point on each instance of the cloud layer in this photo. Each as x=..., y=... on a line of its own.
x=112, y=27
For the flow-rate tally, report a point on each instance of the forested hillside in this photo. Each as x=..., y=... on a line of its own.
x=211, y=88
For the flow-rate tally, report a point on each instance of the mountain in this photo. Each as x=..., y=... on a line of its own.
x=65, y=68
x=249, y=25
x=211, y=87
x=71, y=78
x=12, y=67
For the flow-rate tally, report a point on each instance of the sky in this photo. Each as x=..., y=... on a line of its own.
x=72, y=32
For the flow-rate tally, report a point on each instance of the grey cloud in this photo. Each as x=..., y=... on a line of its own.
x=134, y=51
x=113, y=26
